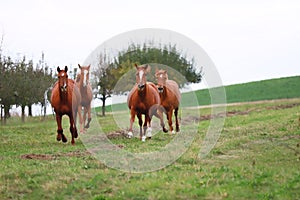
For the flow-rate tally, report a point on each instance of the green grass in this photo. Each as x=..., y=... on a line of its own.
x=256, y=157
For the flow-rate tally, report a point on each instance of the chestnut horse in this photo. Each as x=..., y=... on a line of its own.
x=169, y=96
x=144, y=99
x=86, y=92
x=65, y=99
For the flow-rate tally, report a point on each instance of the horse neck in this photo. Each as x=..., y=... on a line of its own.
x=165, y=92
x=143, y=93
x=63, y=96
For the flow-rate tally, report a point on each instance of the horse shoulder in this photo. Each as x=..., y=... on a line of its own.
x=130, y=96
x=154, y=92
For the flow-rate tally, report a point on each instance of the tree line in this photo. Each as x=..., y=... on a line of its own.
x=22, y=84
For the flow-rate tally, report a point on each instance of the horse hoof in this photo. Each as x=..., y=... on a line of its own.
x=130, y=134
x=76, y=134
x=173, y=132
x=165, y=130
x=149, y=133
x=86, y=126
x=64, y=139
x=143, y=138
x=58, y=138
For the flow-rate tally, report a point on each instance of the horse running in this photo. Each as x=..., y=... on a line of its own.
x=65, y=99
x=169, y=96
x=86, y=92
x=144, y=99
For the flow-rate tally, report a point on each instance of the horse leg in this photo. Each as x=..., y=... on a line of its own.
x=59, y=128
x=159, y=115
x=73, y=129
x=74, y=122
x=132, y=114
x=89, y=116
x=169, y=117
x=139, y=115
x=148, y=130
x=176, y=118
x=60, y=135
x=80, y=119
x=84, y=116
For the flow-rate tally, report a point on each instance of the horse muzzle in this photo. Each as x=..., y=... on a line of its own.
x=63, y=88
x=141, y=86
x=160, y=89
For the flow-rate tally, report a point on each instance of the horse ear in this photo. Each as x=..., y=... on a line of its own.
x=89, y=66
x=66, y=68
x=79, y=66
x=58, y=69
x=147, y=68
x=156, y=71
x=136, y=66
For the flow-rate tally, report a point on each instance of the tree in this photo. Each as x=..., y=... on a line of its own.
x=21, y=84
x=103, y=80
x=7, y=85
x=109, y=72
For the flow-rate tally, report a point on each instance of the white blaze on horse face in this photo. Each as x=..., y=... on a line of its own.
x=85, y=72
x=141, y=73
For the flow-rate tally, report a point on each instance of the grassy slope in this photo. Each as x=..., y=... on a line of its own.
x=256, y=157
x=281, y=88
x=288, y=87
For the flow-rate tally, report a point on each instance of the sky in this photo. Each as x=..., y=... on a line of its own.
x=246, y=40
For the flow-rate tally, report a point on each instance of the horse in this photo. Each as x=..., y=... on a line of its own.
x=82, y=81
x=65, y=99
x=144, y=99
x=169, y=96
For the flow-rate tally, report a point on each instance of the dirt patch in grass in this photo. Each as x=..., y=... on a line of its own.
x=117, y=134
x=189, y=119
x=54, y=156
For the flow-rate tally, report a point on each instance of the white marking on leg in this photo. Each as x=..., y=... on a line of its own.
x=130, y=134
x=143, y=138
x=149, y=132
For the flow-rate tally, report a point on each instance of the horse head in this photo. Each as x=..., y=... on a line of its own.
x=141, y=72
x=84, y=74
x=162, y=77
x=63, y=78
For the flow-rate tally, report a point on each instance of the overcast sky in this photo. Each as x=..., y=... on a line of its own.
x=247, y=40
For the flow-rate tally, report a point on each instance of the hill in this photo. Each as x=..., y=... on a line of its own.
x=279, y=88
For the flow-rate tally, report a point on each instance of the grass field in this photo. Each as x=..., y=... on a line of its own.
x=256, y=157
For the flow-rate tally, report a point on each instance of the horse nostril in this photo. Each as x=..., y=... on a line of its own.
x=160, y=89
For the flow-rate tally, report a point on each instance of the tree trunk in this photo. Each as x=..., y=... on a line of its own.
x=30, y=110
x=103, y=105
x=23, y=113
x=6, y=113
x=1, y=107
x=103, y=101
